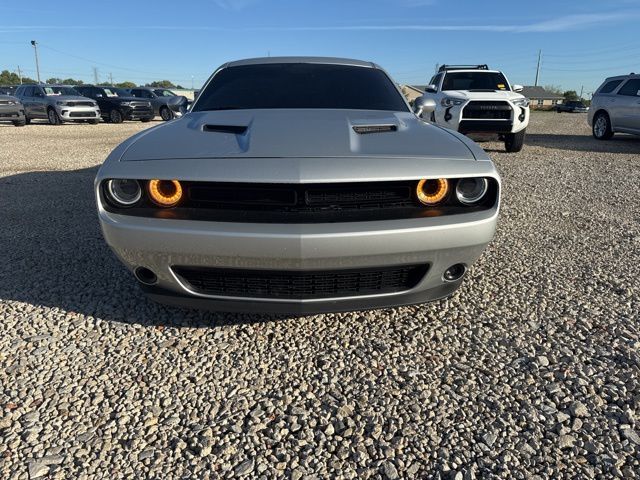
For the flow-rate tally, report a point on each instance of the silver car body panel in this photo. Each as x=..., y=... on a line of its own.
x=298, y=147
x=623, y=110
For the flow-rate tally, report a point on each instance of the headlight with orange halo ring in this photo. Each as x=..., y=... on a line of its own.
x=165, y=193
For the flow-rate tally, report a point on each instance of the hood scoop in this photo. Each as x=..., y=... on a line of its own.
x=366, y=129
x=234, y=129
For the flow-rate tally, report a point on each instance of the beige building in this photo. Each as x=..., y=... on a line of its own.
x=411, y=92
x=541, y=99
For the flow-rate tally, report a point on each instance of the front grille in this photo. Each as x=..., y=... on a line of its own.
x=80, y=104
x=492, y=110
x=302, y=198
x=137, y=105
x=82, y=114
x=303, y=203
x=296, y=285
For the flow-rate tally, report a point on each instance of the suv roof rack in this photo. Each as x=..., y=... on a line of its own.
x=444, y=68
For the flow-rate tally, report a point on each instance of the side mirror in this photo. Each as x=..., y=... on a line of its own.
x=423, y=105
x=431, y=88
x=517, y=88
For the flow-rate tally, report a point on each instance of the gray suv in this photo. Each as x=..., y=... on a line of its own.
x=57, y=104
x=165, y=103
x=615, y=107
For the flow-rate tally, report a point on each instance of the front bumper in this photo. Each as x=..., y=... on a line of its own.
x=137, y=113
x=11, y=113
x=78, y=114
x=160, y=244
x=454, y=118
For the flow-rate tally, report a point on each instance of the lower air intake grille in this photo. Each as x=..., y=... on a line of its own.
x=296, y=285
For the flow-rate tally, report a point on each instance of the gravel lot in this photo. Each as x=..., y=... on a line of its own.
x=531, y=370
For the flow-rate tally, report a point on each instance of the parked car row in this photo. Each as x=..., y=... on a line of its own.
x=87, y=103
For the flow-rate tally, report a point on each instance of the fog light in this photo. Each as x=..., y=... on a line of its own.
x=433, y=191
x=471, y=190
x=165, y=193
x=454, y=272
x=124, y=192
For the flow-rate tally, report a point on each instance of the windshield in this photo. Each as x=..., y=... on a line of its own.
x=475, y=81
x=60, y=91
x=115, y=92
x=164, y=93
x=300, y=85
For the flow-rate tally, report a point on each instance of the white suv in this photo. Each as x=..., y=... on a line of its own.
x=474, y=99
x=615, y=107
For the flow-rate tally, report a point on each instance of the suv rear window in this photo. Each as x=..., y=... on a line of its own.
x=300, y=85
x=610, y=86
x=475, y=81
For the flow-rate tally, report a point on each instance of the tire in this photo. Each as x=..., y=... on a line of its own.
x=115, y=116
x=147, y=119
x=27, y=120
x=166, y=114
x=53, y=117
x=20, y=123
x=601, y=127
x=94, y=121
x=513, y=142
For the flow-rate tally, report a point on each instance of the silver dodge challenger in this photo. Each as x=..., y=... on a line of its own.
x=298, y=185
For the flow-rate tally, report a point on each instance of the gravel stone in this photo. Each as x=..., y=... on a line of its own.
x=98, y=382
x=578, y=409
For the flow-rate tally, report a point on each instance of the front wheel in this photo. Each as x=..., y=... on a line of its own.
x=54, y=118
x=513, y=142
x=602, y=127
x=20, y=123
x=115, y=116
x=146, y=119
x=166, y=114
x=94, y=121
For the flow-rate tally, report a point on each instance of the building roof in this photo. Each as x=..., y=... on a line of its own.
x=414, y=88
x=540, y=93
x=418, y=87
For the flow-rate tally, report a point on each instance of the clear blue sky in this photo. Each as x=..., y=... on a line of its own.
x=581, y=41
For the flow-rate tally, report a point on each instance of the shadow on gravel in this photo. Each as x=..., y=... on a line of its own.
x=620, y=143
x=54, y=255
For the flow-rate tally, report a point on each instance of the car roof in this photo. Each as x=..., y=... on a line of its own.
x=622, y=77
x=319, y=60
x=476, y=70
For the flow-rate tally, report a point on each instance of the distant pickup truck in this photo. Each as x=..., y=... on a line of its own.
x=572, y=107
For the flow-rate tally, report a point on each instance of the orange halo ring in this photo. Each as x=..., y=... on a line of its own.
x=165, y=193
x=432, y=191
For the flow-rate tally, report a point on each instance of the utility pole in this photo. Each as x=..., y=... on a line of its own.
x=538, y=67
x=581, y=90
x=191, y=82
x=35, y=49
x=20, y=74
x=437, y=67
x=111, y=79
x=95, y=75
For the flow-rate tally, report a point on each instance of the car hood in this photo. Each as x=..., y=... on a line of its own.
x=8, y=98
x=128, y=99
x=69, y=98
x=483, y=95
x=296, y=133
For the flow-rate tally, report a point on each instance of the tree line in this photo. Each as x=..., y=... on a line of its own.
x=11, y=78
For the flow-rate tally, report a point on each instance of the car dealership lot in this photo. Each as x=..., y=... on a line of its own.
x=531, y=368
